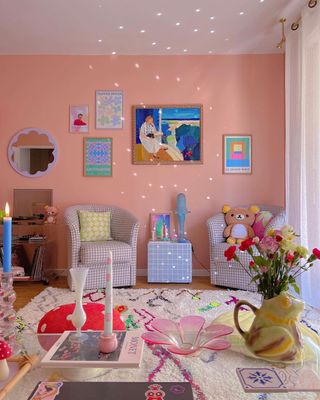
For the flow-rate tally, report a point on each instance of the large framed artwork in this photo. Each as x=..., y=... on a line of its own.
x=97, y=156
x=237, y=157
x=79, y=119
x=167, y=134
x=109, y=109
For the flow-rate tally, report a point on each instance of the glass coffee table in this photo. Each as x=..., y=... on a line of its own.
x=212, y=375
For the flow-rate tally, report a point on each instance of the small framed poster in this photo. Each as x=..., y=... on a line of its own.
x=161, y=224
x=109, y=109
x=79, y=119
x=237, y=154
x=97, y=156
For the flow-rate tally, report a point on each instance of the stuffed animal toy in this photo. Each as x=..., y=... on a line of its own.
x=51, y=214
x=239, y=223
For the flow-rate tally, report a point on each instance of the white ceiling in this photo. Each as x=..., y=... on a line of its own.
x=93, y=26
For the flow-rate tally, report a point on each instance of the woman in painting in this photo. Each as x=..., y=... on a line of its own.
x=150, y=137
x=79, y=121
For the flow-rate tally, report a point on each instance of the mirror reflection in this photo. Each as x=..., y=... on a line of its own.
x=32, y=152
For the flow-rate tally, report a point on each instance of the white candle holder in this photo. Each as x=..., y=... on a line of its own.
x=79, y=317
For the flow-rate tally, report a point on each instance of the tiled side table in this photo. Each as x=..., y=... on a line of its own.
x=169, y=262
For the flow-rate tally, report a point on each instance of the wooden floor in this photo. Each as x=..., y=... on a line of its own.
x=27, y=290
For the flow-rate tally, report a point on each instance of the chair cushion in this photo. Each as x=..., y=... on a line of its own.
x=96, y=252
x=94, y=225
x=218, y=254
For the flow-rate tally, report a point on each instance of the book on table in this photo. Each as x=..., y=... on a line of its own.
x=112, y=390
x=67, y=352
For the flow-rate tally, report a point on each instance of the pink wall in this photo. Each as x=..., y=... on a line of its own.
x=240, y=94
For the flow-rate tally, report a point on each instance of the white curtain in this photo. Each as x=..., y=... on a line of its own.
x=303, y=141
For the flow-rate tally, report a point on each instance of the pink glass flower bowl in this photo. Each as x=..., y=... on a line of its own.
x=188, y=336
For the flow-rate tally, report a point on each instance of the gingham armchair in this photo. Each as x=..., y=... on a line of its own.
x=92, y=255
x=230, y=273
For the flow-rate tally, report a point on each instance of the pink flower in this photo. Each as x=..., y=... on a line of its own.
x=264, y=269
x=269, y=245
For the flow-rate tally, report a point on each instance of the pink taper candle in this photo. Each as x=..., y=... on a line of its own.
x=108, y=312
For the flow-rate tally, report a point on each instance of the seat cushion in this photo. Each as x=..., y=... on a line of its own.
x=97, y=252
x=94, y=225
x=218, y=254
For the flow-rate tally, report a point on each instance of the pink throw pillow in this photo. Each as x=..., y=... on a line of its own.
x=262, y=220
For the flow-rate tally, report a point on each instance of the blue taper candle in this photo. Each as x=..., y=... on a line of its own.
x=7, y=240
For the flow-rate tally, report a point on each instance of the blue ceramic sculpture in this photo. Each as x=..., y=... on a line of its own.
x=181, y=212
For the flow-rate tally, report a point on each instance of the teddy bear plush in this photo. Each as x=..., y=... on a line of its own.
x=51, y=214
x=239, y=223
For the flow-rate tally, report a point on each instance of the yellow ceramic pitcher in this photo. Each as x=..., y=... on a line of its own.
x=274, y=333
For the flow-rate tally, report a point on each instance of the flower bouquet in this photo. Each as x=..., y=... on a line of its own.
x=277, y=261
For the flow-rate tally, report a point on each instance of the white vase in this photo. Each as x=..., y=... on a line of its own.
x=79, y=317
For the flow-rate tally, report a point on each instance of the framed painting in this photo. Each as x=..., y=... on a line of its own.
x=109, y=109
x=79, y=119
x=237, y=154
x=160, y=226
x=97, y=156
x=167, y=134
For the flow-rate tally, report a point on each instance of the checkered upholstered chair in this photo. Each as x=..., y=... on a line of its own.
x=231, y=274
x=92, y=255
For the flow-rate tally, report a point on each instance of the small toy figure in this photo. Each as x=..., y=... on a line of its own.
x=51, y=214
x=181, y=212
x=239, y=223
x=155, y=393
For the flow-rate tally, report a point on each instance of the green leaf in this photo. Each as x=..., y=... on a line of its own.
x=255, y=278
x=296, y=288
x=260, y=261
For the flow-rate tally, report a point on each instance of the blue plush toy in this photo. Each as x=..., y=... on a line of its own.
x=181, y=212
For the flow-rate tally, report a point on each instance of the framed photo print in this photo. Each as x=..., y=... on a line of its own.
x=109, y=109
x=79, y=119
x=237, y=151
x=160, y=225
x=97, y=156
x=167, y=134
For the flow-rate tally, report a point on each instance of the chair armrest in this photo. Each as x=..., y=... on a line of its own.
x=216, y=226
x=72, y=223
x=278, y=221
x=124, y=227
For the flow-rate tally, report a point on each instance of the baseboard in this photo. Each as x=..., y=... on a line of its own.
x=195, y=272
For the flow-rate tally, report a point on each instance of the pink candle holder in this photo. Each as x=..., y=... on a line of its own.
x=108, y=344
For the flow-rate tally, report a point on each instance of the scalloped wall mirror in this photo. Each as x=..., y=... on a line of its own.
x=32, y=152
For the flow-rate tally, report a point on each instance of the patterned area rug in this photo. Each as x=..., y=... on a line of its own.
x=211, y=374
